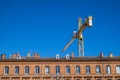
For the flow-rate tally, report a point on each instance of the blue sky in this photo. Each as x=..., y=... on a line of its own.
x=46, y=26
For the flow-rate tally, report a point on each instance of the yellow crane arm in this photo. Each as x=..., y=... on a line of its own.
x=81, y=30
x=70, y=42
x=81, y=27
x=88, y=23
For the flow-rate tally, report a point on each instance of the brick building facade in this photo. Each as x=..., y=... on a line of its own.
x=69, y=68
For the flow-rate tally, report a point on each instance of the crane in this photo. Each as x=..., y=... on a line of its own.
x=78, y=35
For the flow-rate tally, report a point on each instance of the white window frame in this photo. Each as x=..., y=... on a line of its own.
x=87, y=69
x=118, y=69
x=98, y=69
x=67, y=69
x=27, y=69
x=77, y=72
x=37, y=70
x=47, y=69
x=6, y=68
x=57, y=70
x=18, y=70
x=108, y=69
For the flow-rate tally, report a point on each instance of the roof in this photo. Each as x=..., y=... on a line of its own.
x=75, y=59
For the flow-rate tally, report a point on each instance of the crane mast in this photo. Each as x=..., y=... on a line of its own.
x=78, y=35
x=80, y=40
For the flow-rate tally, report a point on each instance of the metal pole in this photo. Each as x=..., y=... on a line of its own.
x=79, y=48
x=82, y=47
x=79, y=41
x=79, y=23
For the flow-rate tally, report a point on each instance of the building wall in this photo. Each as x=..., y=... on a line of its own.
x=63, y=76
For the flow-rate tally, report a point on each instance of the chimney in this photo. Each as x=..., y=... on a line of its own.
x=15, y=55
x=101, y=55
x=37, y=56
x=72, y=55
x=3, y=56
x=28, y=55
x=111, y=55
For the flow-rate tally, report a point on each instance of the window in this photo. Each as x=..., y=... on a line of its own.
x=6, y=70
x=118, y=69
x=87, y=69
x=16, y=69
x=77, y=69
x=98, y=70
x=37, y=69
x=57, y=70
x=67, y=69
x=68, y=79
x=26, y=69
x=108, y=70
x=47, y=70
x=88, y=79
x=99, y=79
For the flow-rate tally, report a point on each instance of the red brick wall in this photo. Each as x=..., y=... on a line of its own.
x=62, y=65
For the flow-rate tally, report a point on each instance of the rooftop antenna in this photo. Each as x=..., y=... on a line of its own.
x=78, y=35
